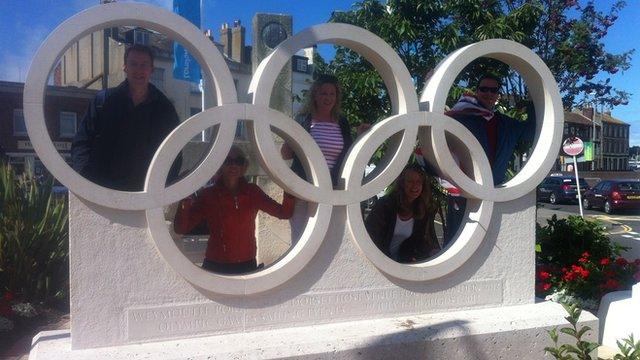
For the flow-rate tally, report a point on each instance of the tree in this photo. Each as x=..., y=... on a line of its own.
x=565, y=34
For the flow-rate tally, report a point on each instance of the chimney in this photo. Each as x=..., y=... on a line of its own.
x=209, y=34
x=237, y=36
x=588, y=112
x=225, y=39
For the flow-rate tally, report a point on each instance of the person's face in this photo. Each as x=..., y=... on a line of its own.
x=138, y=68
x=234, y=167
x=325, y=98
x=488, y=93
x=412, y=185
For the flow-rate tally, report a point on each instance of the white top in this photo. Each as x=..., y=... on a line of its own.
x=329, y=139
x=401, y=232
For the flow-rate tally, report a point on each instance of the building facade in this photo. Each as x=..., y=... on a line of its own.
x=615, y=142
x=64, y=107
x=609, y=136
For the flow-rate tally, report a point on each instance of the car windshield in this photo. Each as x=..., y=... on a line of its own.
x=627, y=186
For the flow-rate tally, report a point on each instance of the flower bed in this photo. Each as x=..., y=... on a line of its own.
x=577, y=263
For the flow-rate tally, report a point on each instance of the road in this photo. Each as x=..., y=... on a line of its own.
x=623, y=228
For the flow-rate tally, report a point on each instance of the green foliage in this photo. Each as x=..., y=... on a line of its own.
x=582, y=349
x=577, y=262
x=566, y=34
x=563, y=241
x=629, y=349
x=33, y=238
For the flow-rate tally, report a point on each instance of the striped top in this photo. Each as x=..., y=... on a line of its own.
x=329, y=138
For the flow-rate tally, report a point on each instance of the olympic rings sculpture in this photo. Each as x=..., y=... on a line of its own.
x=408, y=124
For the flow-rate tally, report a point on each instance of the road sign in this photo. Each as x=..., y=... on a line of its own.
x=573, y=146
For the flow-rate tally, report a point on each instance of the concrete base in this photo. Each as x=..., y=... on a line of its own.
x=619, y=316
x=515, y=332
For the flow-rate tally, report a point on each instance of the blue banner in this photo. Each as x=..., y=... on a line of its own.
x=185, y=66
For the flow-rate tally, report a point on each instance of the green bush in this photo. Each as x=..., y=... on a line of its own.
x=34, y=253
x=563, y=241
x=582, y=349
x=628, y=349
x=576, y=262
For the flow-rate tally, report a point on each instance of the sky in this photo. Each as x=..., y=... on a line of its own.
x=27, y=23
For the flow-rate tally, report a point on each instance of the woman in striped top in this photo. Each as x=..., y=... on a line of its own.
x=322, y=118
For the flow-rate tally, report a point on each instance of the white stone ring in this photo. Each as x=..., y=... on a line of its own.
x=402, y=129
x=96, y=18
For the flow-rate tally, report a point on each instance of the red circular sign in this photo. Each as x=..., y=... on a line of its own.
x=573, y=146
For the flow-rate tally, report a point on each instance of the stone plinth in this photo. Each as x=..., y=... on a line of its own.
x=515, y=332
x=123, y=292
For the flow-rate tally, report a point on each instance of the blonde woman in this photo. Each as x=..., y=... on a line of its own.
x=321, y=116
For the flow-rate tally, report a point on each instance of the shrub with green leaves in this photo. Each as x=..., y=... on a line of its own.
x=563, y=241
x=582, y=349
x=629, y=349
x=576, y=262
x=34, y=252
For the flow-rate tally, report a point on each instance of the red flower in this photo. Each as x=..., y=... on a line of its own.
x=547, y=286
x=583, y=260
x=637, y=262
x=609, y=273
x=569, y=276
x=585, y=254
x=636, y=276
x=577, y=268
x=543, y=275
x=611, y=284
x=584, y=273
x=8, y=296
x=605, y=261
x=621, y=261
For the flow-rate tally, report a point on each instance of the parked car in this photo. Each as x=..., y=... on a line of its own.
x=557, y=189
x=613, y=195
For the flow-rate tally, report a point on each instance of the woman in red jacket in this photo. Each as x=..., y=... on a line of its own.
x=230, y=207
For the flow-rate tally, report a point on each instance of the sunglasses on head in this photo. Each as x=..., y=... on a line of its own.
x=491, y=89
x=234, y=161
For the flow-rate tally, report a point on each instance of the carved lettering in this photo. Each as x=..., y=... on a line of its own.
x=148, y=323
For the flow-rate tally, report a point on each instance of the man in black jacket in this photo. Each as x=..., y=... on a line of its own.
x=123, y=128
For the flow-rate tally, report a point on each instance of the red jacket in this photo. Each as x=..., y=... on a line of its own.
x=231, y=219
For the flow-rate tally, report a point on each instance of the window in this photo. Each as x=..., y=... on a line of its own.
x=141, y=37
x=19, y=127
x=301, y=65
x=67, y=124
x=157, y=78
